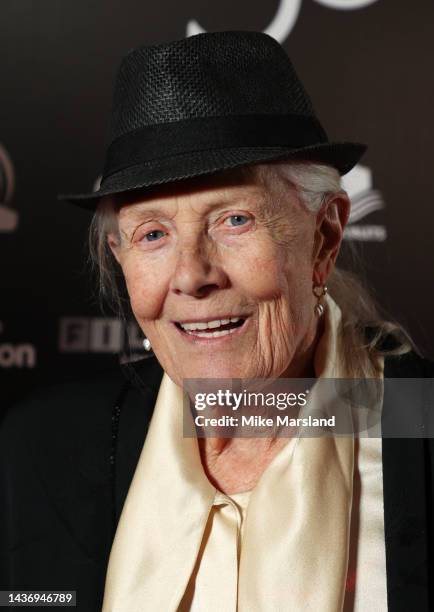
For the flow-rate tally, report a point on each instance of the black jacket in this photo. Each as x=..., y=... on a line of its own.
x=67, y=457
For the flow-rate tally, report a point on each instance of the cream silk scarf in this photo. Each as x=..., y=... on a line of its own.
x=296, y=534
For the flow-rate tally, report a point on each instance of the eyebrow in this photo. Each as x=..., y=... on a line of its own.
x=143, y=210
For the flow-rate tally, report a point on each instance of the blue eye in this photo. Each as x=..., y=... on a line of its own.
x=151, y=236
x=239, y=220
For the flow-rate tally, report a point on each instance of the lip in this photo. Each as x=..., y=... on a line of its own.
x=197, y=340
x=215, y=318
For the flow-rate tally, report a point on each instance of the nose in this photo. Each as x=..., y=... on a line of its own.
x=197, y=273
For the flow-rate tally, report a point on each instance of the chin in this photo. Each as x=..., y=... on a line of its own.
x=218, y=372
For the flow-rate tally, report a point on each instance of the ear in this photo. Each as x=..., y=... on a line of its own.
x=114, y=243
x=330, y=224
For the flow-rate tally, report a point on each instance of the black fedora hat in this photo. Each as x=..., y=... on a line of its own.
x=205, y=104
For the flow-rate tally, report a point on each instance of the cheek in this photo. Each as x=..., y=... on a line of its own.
x=279, y=278
x=146, y=289
x=272, y=271
x=297, y=292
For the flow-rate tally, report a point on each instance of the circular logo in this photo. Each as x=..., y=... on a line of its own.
x=97, y=183
x=287, y=14
x=7, y=177
x=279, y=28
x=346, y=5
x=8, y=216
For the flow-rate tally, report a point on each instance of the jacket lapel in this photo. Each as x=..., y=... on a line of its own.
x=131, y=420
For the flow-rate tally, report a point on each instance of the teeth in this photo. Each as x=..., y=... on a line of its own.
x=214, y=324
x=208, y=325
x=215, y=334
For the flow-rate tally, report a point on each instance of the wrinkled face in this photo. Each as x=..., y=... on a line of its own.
x=220, y=274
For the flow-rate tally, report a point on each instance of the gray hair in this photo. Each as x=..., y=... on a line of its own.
x=313, y=182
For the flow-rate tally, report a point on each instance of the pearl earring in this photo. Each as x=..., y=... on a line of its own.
x=147, y=344
x=319, y=292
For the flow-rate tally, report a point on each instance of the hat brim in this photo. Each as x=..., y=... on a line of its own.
x=342, y=156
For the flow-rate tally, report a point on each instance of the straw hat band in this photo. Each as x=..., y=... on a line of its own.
x=155, y=141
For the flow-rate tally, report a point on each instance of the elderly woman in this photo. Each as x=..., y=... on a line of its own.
x=222, y=207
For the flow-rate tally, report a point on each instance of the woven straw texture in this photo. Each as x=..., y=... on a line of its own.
x=209, y=75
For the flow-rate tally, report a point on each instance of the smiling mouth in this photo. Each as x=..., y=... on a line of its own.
x=211, y=329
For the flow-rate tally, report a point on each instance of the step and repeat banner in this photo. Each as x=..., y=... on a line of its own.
x=368, y=66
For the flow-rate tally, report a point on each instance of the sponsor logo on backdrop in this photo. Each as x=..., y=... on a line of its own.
x=286, y=16
x=364, y=200
x=8, y=216
x=99, y=335
x=16, y=355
